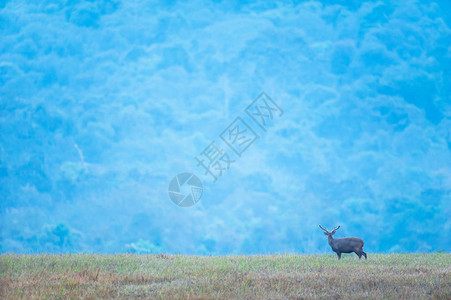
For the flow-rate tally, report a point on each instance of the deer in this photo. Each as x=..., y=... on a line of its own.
x=344, y=245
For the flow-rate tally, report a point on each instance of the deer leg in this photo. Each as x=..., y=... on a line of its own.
x=339, y=255
x=364, y=254
x=359, y=254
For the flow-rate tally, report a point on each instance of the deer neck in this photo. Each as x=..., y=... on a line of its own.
x=330, y=239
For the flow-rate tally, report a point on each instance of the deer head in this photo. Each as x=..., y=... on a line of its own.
x=329, y=233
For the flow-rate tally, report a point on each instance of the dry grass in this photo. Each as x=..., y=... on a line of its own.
x=394, y=276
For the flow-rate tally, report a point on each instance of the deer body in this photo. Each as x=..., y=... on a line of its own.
x=344, y=245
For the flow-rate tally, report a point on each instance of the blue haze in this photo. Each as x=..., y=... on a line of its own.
x=103, y=102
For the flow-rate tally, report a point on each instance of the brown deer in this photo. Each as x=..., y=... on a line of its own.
x=344, y=245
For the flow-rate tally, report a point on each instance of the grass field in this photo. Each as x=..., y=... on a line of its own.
x=394, y=276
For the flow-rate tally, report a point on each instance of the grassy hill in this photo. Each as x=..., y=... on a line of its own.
x=395, y=276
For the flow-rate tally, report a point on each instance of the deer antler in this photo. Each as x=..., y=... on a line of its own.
x=336, y=228
x=323, y=228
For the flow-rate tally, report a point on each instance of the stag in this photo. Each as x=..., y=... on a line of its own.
x=344, y=245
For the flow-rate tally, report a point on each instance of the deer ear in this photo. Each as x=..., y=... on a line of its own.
x=325, y=233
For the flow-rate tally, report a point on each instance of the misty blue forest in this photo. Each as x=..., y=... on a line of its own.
x=104, y=103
